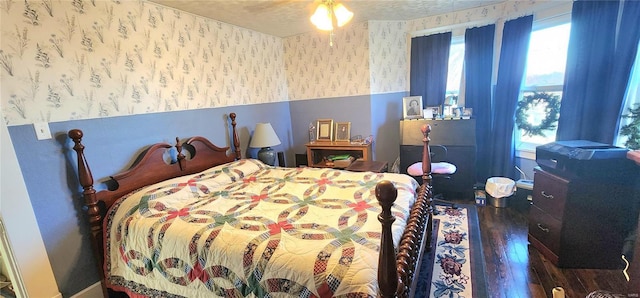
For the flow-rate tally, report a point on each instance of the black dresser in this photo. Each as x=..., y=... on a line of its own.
x=585, y=204
x=459, y=137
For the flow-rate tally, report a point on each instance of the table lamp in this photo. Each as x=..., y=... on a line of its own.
x=264, y=137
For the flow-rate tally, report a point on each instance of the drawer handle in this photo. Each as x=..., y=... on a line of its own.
x=544, y=194
x=543, y=228
x=626, y=267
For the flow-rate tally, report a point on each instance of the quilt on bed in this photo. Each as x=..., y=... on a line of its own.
x=245, y=229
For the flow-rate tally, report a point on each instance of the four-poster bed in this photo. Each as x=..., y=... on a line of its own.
x=210, y=222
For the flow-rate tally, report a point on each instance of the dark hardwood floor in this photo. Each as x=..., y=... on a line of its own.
x=516, y=269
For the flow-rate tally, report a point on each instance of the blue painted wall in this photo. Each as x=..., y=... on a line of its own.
x=49, y=169
x=49, y=166
x=378, y=115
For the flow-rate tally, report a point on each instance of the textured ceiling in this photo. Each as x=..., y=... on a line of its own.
x=291, y=17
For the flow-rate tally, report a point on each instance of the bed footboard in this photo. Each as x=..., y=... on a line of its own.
x=396, y=271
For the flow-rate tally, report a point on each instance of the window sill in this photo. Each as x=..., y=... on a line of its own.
x=526, y=153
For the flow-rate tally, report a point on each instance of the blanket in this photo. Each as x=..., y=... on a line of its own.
x=245, y=229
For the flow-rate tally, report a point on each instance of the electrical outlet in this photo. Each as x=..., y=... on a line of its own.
x=42, y=130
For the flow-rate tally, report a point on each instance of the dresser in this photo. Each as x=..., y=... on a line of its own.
x=459, y=137
x=634, y=268
x=581, y=223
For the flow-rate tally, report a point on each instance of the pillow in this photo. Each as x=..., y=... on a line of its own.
x=436, y=168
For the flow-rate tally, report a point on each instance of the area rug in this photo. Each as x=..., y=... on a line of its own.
x=456, y=259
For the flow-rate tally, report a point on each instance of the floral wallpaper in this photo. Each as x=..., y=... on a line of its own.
x=80, y=59
x=328, y=71
x=366, y=58
x=84, y=59
x=389, y=56
x=482, y=15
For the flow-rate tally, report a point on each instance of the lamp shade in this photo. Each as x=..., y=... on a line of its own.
x=264, y=136
x=322, y=18
x=343, y=15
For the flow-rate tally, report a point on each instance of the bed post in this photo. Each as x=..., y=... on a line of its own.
x=91, y=201
x=426, y=187
x=398, y=269
x=235, y=139
x=426, y=155
x=386, y=194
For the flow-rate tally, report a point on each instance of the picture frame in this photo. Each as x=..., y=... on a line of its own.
x=427, y=113
x=435, y=112
x=467, y=113
x=324, y=130
x=457, y=112
x=447, y=112
x=343, y=132
x=412, y=107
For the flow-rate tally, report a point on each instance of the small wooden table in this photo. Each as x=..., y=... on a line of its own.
x=368, y=166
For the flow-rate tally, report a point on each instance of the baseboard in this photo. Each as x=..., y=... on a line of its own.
x=92, y=291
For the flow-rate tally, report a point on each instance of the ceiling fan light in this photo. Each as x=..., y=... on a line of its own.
x=322, y=18
x=343, y=15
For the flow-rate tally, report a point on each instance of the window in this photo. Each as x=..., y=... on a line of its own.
x=631, y=98
x=454, y=73
x=546, y=61
x=456, y=59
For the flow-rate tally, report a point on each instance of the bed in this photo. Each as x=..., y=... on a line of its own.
x=208, y=223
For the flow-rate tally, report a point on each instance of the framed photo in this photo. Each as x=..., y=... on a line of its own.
x=435, y=112
x=467, y=112
x=446, y=112
x=457, y=112
x=343, y=132
x=427, y=113
x=412, y=107
x=325, y=130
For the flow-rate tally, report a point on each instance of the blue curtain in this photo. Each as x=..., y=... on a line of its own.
x=429, y=66
x=626, y=49
x=598, y=69
x=513, y=56
x=478, y=69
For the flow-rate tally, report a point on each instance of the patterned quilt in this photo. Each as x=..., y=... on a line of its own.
x=245, y=229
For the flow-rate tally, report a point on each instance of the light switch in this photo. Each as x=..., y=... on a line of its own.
x=42, y=130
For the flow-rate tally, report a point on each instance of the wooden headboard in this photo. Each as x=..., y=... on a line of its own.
x=149, y=167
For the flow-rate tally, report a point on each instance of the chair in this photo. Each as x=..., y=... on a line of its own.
x=441, y=170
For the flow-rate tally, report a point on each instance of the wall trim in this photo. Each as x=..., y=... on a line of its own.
x=94, y=290
x=527, y=154
x=10, y=263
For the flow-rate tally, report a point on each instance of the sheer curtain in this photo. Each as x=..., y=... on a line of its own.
x=513, y=58
x=478, y=65
x=598, y=68
x=429, y=63
x=632, y=97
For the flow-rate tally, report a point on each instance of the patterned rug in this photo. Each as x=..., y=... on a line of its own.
x=457, y=260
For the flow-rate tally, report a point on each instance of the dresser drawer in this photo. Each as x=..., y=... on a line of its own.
x=545, y=229
x=550, y=193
